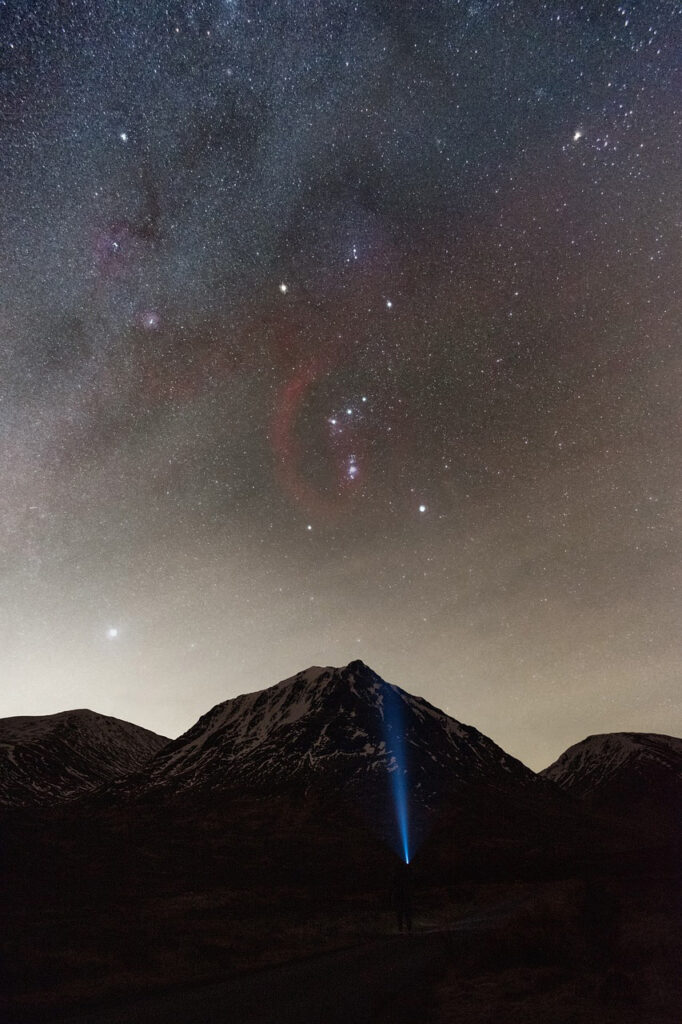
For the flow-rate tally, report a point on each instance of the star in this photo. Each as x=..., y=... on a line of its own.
x=150, y=320
x=577, y=135
x=422, y=508
x=123, y=136
x=284, y=288
x=112, y=632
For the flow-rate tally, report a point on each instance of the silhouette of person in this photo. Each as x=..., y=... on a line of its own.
x=401, y=897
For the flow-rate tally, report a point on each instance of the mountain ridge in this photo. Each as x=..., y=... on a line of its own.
x=635, y=777
x=603, y=763
x=329, y=721
x=345, y=726
x=59, y=757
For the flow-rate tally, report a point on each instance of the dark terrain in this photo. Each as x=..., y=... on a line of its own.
x=52, y=758
x=269, y=899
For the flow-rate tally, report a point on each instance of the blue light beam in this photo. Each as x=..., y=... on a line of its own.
x=395, y=741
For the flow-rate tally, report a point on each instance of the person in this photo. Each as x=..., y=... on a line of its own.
x=402, y=897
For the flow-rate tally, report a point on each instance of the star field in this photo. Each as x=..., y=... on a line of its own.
x=335, y=330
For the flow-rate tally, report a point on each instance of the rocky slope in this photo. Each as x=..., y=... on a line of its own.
x=344, y=725
x=53, y=758
x=617, y=760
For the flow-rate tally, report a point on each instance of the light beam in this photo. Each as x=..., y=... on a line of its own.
x=395, y=742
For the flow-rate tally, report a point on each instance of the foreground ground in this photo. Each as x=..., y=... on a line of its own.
x=519, y=953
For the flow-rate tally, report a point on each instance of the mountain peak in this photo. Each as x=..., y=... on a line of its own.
x=358, y=666
x=322, y=674
x=330, y=723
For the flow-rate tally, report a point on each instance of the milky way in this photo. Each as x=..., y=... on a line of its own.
x=337, y=330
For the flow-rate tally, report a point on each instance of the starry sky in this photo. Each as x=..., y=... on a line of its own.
x=337, y=330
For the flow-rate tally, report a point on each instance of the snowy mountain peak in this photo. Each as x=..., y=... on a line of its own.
x=339, y=724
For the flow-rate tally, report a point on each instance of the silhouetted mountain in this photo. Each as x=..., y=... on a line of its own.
x=342, y=725
x=51, y=758
x=617, y=760
x=637, y=776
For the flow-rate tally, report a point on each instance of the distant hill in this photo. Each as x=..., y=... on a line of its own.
x=633, y=774
x=617, y=760
x=53, y=758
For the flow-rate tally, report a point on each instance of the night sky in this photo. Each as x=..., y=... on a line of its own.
x=337, y=330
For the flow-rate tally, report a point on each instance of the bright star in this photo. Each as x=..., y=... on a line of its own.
x=422, y=508
x=123, y=136
x=577, y=135
x=389, y=304
x=284, y=288
x=150, y=320
x=309, y=527
x=112, y=632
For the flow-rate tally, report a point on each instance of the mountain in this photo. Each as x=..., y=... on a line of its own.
x=622, y=769
x=53, y=758
x=344, y=726
x=603, y=761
